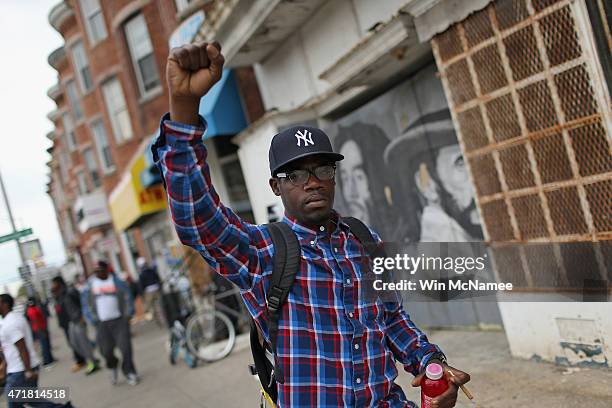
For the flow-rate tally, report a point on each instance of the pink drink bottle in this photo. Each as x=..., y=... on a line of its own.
x=433, y=384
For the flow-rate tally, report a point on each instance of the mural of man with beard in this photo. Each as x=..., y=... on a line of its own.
x=432, y=171
x=364, y=180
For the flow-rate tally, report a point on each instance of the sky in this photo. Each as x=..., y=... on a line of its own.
x=26, y=40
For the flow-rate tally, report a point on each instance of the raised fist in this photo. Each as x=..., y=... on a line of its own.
x=193, y=69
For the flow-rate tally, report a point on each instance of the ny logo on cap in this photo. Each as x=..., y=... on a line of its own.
x=303, y=135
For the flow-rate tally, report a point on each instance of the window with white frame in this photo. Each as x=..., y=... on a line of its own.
x=92, y=167
x=102, y=146
x=82, y=183
x=69, y=230
x=141, y=51
x=117, y=110
x=58, y=184
x=182, y=4
x=81, y=66
x=94, y=20
x=64, y=164
x=69, y=133
x=73, y=98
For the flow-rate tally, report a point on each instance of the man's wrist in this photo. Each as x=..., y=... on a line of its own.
x=185, y=110
x=437, y=357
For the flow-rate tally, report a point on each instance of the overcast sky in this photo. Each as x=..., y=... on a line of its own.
x=26, y=39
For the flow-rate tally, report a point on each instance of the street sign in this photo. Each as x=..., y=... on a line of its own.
x=16, y=235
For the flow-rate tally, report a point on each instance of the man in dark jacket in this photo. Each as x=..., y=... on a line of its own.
x=149, y=285
x=63, y=320
x=69, y=301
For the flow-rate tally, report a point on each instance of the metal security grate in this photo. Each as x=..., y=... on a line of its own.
x=519, y=76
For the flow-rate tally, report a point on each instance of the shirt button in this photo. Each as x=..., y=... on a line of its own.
x=356, y=346
x=312, y=243
x=351, y=314
x=336, y=250
x=348, y=281
x=358, y=380
x=321, y=228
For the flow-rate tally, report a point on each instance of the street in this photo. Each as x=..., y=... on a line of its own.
x=498, y=381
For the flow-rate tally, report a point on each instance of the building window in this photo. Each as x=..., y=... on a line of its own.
x=94, y=20
x=64, y=164
x=58, y=184
x=117, y=110
x=81, y=66
x=82, y=183
x=600, y=13
x=234, y=179
x=92, y=167
x=73, y=98
x=69, y=229
x=69, y=132
x=102, y=146
x=141, y=51
x=182, y=4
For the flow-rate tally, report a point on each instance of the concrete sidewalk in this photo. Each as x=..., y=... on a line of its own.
x=498, y=381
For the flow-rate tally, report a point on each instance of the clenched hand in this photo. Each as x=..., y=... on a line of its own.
x=191, y=71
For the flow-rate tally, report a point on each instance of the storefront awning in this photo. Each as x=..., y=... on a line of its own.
x=222, y=108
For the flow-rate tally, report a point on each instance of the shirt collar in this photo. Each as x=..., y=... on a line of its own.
x=307, y=233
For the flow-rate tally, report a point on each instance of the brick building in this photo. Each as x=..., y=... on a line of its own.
x=110, y=96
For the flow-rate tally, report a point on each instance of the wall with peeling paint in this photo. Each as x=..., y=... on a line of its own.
x=569, y=333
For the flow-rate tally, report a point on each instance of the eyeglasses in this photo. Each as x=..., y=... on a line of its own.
x=301, y=176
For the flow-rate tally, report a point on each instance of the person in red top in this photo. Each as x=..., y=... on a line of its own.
x=38, y=323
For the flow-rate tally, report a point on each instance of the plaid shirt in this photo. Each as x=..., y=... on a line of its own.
x=335, y=347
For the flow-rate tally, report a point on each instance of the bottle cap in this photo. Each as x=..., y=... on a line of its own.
x=434, y=371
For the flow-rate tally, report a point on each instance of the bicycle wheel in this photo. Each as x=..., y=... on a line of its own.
x=210, y=336
x=174, y=349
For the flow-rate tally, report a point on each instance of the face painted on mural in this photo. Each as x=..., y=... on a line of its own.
x=453, y=175
x=354, y=181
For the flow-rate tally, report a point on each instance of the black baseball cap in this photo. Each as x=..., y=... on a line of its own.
x=298, y=142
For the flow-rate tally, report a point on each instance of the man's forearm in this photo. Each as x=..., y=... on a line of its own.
x=408, y=343
x=23, y=353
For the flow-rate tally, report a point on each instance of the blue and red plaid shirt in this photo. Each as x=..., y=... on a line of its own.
x=335, y=347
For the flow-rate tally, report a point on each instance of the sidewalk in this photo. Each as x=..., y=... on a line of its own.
x=498, y=381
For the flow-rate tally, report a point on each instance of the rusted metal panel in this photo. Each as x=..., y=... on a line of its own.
x=532, y=124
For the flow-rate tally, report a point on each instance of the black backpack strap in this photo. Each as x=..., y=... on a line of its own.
x=263, y=367
x=363, y=234
x=286, y=264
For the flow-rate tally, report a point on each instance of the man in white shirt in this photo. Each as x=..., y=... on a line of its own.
x=22, y=362
x=108, y=304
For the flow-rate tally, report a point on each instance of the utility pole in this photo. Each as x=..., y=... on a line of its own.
x=24, y=270
x=10, y=214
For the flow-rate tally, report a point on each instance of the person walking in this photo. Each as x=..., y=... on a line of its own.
x=335, y=347
x=150, y=287
x=38, y=323
x=63, y=321
x=22, y=361
x=69, y=301
x=108, y=305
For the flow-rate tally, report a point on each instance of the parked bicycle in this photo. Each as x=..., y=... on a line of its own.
x=211, y=331
x=202, y=326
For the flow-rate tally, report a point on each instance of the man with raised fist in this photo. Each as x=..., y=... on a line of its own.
x=334, y=346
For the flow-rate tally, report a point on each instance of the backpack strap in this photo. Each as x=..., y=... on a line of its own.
x=286, y=264
x=363, y=234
